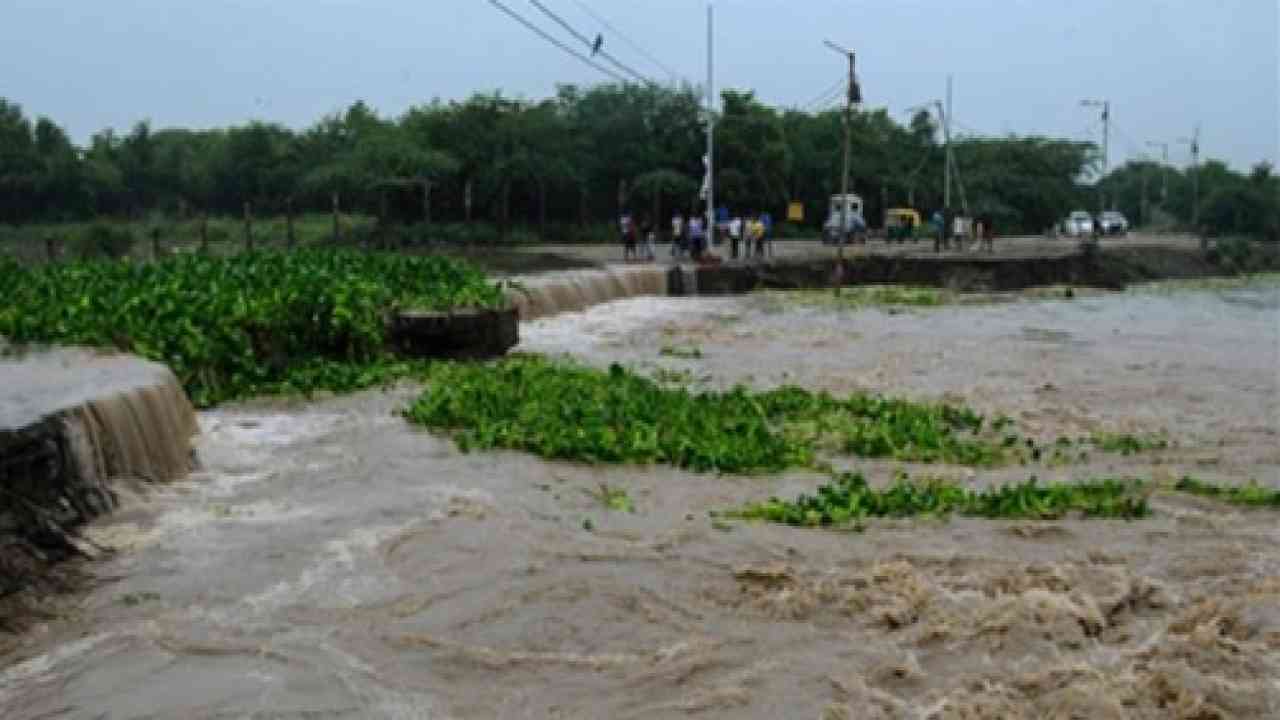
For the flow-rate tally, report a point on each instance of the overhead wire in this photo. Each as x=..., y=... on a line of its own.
x=826, y=95
x=545, y=36
x=588, y=42
x=621, y=36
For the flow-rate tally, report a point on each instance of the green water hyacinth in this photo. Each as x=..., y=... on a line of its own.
x=561, y=410
x=848, y=499
x=230, y=327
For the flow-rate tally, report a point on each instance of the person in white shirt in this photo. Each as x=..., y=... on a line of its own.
x=677, y=234
x=735, y=235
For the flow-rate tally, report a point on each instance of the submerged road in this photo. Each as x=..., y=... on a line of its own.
x=332, y=561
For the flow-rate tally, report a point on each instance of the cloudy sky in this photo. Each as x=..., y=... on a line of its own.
x=1020, y=66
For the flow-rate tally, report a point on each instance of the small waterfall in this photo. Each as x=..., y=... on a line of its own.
x=71, y=423
x=539, y=296
x=143, y=432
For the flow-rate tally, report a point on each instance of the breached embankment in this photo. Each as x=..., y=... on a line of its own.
x=72, y=424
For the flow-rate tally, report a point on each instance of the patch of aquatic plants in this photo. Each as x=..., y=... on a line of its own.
x=234, y=326
x=1250, y=495
x=849, y=499
x=680, y=352
x=862, y=296
x=559, y=410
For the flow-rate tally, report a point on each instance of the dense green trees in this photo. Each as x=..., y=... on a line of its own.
x=1230, y=203
x=576, y=158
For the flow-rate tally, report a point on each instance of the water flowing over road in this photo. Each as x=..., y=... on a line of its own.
x=329, y=560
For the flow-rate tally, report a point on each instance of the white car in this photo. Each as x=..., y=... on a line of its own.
x=1078, y=224
x=1112, y=222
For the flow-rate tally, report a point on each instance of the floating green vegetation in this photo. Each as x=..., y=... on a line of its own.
x=614, y=498
x=1127, y=444
x=862, y=296
x=564, y=411
x=666, y=376
x=138, y=598
x=1235, y=282
x=1250, y=495
x=848, y=500
x=231, y=327
x=679, y=352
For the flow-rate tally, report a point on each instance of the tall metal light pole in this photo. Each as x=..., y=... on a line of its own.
x=1164, y=170
x=853, y=95
x=1106, y=142
x=1194, y=142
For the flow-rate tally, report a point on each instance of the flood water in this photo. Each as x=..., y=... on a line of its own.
x=331, y=561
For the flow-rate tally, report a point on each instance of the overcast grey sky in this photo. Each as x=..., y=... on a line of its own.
x=1020, y=66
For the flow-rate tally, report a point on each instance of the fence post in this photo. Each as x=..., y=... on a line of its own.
x=204, y=233
x=155, y=243
x=248, y=227
x=51, y=248
x=288, y=223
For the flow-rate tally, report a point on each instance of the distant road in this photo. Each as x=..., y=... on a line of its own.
x=1021, y=246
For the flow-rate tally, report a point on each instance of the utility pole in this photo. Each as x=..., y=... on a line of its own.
x=852, y=96
x=946, y=134
x=1106, y=142
x=1194, y=142
x=711, y=129
x=1164, y=170
x=944, y=120
x=1145, y=207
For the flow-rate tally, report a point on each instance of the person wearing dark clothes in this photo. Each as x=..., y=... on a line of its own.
x=628, y=228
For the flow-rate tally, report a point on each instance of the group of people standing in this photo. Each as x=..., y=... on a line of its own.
x=748, y=236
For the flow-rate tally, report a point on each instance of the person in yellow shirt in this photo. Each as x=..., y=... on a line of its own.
x=756, y=236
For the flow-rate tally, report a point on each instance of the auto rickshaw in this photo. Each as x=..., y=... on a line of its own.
x=900, y=224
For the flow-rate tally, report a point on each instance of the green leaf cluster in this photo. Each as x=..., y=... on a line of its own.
x=233, y=326
x=564, y=411
x=848, y=499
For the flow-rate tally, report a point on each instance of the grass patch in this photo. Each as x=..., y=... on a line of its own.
x=848, y=500
x=564, y=411
x=238, y=326
x=1251, y=495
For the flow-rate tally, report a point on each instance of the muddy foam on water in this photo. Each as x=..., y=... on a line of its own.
x=345, y=564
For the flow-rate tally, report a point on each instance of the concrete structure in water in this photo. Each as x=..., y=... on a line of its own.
x=72, y=423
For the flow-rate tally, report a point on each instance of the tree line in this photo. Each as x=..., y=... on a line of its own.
x=575, y=159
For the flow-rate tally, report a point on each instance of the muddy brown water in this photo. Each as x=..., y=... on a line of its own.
x=331, y=561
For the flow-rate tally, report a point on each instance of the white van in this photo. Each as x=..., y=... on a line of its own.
x=846, y=209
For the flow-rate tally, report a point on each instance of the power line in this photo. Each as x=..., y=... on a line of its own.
x=826, y=95
x=516, y=16
x=588, y=42
x=625, y=39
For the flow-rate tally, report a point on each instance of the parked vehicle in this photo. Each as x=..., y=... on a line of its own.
x=1078, y=224
x=1113, y=222
x=845, y=209
x=901, y=224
